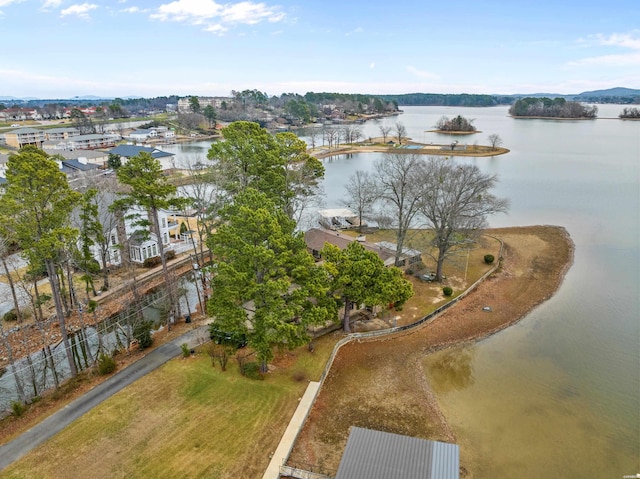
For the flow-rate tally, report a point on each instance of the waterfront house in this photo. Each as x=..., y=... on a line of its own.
x=316, y=238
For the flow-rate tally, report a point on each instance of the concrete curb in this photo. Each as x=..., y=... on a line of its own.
x=291, y=433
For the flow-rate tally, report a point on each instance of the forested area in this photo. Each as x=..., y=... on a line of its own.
x=437, y=99
x=552, y=108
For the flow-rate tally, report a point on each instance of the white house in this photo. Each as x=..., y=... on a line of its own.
x=144, y=244
x=143, y=135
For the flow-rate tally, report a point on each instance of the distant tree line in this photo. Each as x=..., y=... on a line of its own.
x=552, y=108
x=437, y=99
x=615, y=99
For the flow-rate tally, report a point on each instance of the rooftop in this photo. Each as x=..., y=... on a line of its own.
x=381, y=455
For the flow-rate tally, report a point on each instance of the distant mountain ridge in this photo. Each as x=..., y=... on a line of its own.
x=618, y=92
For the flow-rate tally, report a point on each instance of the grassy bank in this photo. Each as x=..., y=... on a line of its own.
x=186, y=419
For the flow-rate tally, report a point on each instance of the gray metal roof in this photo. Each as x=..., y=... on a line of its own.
x=75, y=154
x=132, y=150
x=26, y=130
x=93, y=136
x=76, y=165
x=381, y=455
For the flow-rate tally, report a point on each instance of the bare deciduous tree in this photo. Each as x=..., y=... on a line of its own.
x=361, y=194
x=456, y=201
x=401, y=131
x=332, y=136
x=398, y=181
x=494, y=140
x=351, y=133
x=384, y=131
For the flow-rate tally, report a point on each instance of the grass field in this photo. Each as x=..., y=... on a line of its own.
x=187, y=419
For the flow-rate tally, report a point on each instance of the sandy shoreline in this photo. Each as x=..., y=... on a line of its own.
x=424, y=149
x=385, y=380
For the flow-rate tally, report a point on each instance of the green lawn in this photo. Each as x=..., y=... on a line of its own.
x=186, y=419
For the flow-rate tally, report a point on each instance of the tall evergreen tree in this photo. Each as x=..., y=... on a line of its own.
x=266, y=283
x=359, y=277
x=37, y=205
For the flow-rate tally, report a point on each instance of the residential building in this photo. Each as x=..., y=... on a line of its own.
x=184, y=105
x=95, y=157
x=143, y=135
x=316, y=238
x=59, y=134
x=128, y=151
x=143, y=244
x=89, y=142
x=23, y=137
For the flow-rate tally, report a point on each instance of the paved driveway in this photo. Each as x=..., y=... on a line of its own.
x=38, y=434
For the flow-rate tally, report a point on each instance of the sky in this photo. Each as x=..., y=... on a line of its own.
x=146, y=48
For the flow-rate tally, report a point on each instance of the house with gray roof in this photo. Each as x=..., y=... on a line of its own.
x=315, y=238
x=142, y=134
x=96, y=157
x=60, y=133
x=373, y=454
x=128, y=151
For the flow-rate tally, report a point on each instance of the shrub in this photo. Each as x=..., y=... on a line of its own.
x=186, y=351
x=152, y=261
x=409, y=271
x=170, y=254
x=142, y=332
x=447, y=291
x=489, y=258
x=106, y=364
x=10, y=315
x=92, y=305
x=251, y=370
x=18, y=408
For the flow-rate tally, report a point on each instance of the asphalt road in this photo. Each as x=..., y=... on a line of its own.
x=23, y=444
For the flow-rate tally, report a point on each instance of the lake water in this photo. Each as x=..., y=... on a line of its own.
x=558, y=394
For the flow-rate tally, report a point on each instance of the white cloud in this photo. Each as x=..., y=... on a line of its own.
x=250, y=13
x=629, y=41
x=625, y=40
x=216, y=28
x=48, y=4
x=130, y=10
x=621, y=60
x=421, y=74
x=81, y=10
x=217, y=17
x=6, y=3
x=372, y=65
x=355, y=31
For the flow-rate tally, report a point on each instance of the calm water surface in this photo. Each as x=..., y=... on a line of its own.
x=557, y=395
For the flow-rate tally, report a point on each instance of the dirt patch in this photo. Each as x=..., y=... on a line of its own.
x=380, y=384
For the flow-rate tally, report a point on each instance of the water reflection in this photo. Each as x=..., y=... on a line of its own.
x=453, y=369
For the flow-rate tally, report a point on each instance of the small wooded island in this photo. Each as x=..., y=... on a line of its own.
x=455, y=126
x=530, y=107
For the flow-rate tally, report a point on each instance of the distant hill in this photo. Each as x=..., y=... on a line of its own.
x=617, y=92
